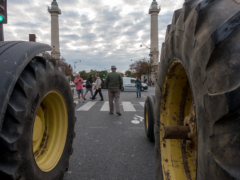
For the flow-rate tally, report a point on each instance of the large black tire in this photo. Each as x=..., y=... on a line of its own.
x=204, y=36
x=149, y=117
x=17, y=159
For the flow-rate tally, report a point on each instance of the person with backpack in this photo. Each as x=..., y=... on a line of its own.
x=89, y=86
x=98, y=88
x=138, y=87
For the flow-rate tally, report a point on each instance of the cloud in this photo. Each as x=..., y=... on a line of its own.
x=99, y=32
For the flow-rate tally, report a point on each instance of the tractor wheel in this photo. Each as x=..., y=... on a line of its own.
x=38, y=127
x=149, y=117
x=197, y=127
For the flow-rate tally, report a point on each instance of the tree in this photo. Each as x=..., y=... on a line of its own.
x=121, y=74
x=128, y=73
x=103, y=74
x=143, y=66
x=62, y=62
x=140, y=67
x=83, y=74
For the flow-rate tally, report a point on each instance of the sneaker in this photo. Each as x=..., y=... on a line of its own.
x=82, y=101
x=84, y=98
x=118, y=113
x=92, y=98
x=79, y=101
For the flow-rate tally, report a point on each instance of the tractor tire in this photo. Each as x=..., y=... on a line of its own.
x=38, y=127
x=198, y=77
x=149, y=117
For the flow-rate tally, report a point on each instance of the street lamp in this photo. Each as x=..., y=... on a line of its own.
x=144, y=45
x=76, y=63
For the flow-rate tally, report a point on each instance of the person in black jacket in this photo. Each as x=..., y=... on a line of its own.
x=89, y=86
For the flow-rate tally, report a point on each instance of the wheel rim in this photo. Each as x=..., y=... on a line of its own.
x=146, y=117
x=178, y=156
x=50, y=131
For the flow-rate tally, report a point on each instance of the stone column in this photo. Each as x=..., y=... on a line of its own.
x=154, y=10
x=55, y=11
x=55, y=35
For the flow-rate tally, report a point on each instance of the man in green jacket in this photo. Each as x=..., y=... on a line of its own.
x=114, y=84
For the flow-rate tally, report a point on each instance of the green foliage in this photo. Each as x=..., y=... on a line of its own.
x=128, y=73
x=84, y=75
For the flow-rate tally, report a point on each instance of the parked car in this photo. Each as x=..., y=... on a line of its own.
x=72, y=84
x=84, y=83
x=144, y=87
x=103, y=84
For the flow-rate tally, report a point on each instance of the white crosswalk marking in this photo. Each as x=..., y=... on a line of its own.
x=105, y=106
x=87, y=106
x=127, y=106
x=142, y=103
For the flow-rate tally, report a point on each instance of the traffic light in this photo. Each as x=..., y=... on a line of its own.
x=144, y=75
x=104, y=75
x=3, y=11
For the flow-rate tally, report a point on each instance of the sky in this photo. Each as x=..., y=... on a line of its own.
x=100, y=33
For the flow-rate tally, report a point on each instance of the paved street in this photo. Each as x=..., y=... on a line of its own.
x=111, y=147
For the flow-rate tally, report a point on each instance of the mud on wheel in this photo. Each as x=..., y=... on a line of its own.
x=198, y=94
x=38, y=127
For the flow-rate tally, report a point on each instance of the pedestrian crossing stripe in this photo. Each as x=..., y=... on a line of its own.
x=142, y=103
x=105, y=106
x=87, y=106
x=127, y=106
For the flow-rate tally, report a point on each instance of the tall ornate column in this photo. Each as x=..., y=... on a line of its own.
x=55, y=11
x=154, y=10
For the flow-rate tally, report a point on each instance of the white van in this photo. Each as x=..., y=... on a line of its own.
x=129, y=84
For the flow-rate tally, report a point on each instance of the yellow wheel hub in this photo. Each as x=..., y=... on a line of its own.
x=37, y=129
x=178, y=156
x=146, y=117
x=50, y=131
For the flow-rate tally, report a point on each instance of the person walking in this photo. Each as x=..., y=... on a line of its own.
x=114, y=84
x=138, y=87
x=98, y=88
x=79, y=87
x=89, y=86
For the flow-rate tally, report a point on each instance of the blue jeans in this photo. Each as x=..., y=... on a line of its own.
x=138, y=89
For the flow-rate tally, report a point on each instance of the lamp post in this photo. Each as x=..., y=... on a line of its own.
x=76, y=63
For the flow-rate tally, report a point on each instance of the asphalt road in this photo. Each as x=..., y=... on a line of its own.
x=112, y=147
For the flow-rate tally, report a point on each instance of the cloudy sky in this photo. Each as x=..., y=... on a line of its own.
x=101, y=33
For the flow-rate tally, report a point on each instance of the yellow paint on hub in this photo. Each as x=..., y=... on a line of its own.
x=176, y=100
x=37, y=129
x=146, y=117
x=50, y=131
